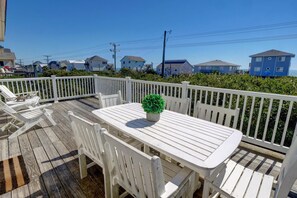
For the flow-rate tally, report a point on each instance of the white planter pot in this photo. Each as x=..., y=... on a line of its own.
x=153, y=117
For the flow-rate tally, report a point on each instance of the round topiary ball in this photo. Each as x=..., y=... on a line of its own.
x=153, y=103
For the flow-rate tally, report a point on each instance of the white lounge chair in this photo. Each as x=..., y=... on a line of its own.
x=11, y=99
x=178, y=105
x=29, y=118
x=142, y=175
x=234, y=180
x=216, y=114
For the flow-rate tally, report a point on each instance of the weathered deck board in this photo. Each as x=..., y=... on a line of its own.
x=51, y=157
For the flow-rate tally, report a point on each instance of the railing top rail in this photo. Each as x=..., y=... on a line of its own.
x=246, y=93
x=24, y=79
x=157, y=83
x=110, y=78
x=74, y=77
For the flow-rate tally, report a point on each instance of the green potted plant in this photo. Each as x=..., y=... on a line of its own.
x=153, y=105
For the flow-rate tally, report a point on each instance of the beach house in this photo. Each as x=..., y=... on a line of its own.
x=271, y=63
x=216, y=66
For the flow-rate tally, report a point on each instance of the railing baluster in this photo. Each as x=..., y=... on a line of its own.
x=276, y=121
x=243, y=113
x=286, y=123
x=250, y=117
x=259, y=117
x=267, y=120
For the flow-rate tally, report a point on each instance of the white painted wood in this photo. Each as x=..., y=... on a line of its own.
x=176, y=135
x=140, y=174
x=31, y=99
x=216, y=114
x=29, y=117
x=179, y=105
x=89, y=143
x=238, y=181
x=110, y=100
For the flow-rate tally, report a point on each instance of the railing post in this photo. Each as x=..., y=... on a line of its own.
x=128, y=89
x=54, y=84
x=96, y=84
x=185, y=89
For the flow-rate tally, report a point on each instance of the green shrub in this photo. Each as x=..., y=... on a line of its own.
x=153, y=103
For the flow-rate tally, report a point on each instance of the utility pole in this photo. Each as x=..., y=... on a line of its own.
x=21, y=62
x=114, y=56
x=47, y=58
x=163, y=57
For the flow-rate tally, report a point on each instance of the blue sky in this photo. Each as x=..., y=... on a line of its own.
x=78, y=29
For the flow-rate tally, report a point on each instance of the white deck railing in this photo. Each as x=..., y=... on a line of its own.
x=267, y=120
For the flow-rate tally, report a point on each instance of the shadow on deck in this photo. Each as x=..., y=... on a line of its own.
x=51, y=160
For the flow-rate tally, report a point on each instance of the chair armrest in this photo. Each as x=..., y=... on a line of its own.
x=31, y=93
x=177, y=182
x=35, y=108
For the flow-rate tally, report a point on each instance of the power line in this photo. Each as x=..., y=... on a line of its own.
x=257, y=28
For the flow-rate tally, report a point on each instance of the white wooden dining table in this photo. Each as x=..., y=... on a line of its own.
x=198, y=144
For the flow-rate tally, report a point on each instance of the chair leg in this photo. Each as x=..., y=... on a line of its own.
x=107, y=183
x=206, y=190
x=23, y=129
x=115, y=191
x=82, y=164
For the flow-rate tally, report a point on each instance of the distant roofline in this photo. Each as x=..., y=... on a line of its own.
x=272, y=52
x=217, y=63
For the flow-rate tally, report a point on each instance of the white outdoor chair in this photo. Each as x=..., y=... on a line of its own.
x=234, y=180
x=142, y=175
x=27, y=98
x=89, y=143
x=216, y=114
x=29, y=118
x=178, y=105
x=110, y=100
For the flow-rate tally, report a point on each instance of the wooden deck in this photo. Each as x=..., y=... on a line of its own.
x=51, y=157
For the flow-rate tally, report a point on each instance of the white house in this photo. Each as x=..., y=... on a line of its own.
x=7, y=57
x=73, y=64
x=39, y=66
x=96, y=63
x=132, y=62
x=175, y=67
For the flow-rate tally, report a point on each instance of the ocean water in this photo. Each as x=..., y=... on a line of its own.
x=293, y=73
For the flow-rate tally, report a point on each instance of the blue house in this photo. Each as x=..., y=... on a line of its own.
x=216, y=66
x=271, y=63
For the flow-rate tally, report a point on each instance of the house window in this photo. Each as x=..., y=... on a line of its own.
x=104, y=62
x=258, y=59
x=269, y=58
x=279, y=69
x=257, y=69
x=123, y=62
x=175, y=70
x=267, y=68
x=129, y=61
x=281, y=59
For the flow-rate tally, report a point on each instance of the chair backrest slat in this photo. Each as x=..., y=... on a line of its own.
x=215, y=114
x=178, y=105
x=288, y=173
x=6, y=93
x=110, y=100
x=87, y=136
x=140, y=174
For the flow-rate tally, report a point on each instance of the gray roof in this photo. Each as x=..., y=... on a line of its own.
x=134, y=58
x=217, y=63
x=273, y=52
x=96, y=57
